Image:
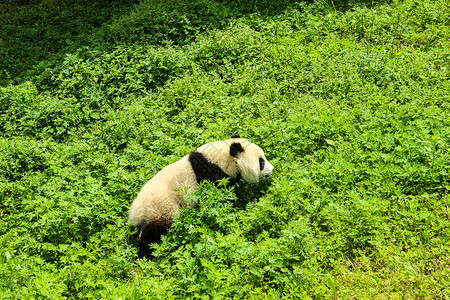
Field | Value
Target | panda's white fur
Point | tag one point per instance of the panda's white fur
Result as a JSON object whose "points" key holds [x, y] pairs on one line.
{"points": [[152, 210]]}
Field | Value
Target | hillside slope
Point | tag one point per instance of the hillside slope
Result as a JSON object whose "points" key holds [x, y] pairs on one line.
{"points": [[350, 104]]}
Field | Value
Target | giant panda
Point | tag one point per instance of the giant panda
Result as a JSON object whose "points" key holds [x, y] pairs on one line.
{"points": [[235, 158]]}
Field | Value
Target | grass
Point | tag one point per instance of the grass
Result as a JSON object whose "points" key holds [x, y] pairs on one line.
{"points": [[349, 101]]}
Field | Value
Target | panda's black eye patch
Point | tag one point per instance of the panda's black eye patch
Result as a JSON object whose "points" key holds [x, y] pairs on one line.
{"points": [[261, 163]]}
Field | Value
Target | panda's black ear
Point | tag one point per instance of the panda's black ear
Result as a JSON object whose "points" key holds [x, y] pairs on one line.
{"points": [[235, 149], [235, 136]]}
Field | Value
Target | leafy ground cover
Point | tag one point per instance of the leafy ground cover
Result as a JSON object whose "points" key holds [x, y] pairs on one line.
{"points": [[349, 100]]}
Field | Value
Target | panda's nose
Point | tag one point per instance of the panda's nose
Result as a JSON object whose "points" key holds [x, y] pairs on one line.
{"points": [[269, 169]]}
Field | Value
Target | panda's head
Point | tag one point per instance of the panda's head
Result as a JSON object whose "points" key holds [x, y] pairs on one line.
{"points": [[236, 157], [249, 160]]}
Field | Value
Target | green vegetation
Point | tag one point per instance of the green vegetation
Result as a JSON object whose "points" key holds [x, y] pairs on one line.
{"points": [[350, 101]]}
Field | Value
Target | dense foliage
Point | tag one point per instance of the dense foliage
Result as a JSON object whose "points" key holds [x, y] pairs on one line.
{"points": [[349, 100]]}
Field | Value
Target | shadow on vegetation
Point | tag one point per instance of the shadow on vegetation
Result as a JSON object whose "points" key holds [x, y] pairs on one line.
{"points": [[37, 34]]}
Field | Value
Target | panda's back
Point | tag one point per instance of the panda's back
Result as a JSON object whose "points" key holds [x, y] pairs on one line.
{"points": [[163, 194]]}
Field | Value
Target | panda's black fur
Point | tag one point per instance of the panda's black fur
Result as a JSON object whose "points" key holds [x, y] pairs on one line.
{"points": [[206, 170]]}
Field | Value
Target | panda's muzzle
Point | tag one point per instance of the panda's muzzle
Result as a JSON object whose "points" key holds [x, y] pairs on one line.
{"points": [[270, 169]]}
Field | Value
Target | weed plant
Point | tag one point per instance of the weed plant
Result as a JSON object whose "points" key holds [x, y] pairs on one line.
{"points": [[349, 100]]}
